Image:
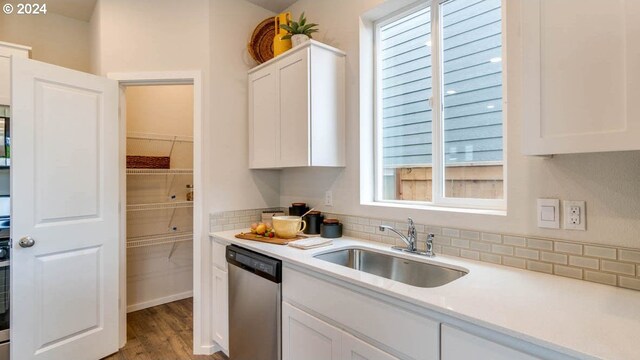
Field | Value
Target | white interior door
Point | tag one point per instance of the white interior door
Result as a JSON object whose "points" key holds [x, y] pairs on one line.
{"points": [[64, 187]]}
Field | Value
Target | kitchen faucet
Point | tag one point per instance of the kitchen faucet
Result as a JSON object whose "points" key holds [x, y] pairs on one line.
{"points": [[411, 239]]}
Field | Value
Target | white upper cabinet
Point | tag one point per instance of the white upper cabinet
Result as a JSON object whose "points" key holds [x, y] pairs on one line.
{"points": [[296, 109], [263, 107], [581, 76], [6, 51]]}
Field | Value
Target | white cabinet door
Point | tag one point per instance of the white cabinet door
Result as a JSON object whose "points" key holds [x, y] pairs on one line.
{"points": [[293, 79], [356, 349], [219, 255], [581, 76], [220, 321], [264, 122], [459, 345], [306, 337], [65, 191], [6, 51]]}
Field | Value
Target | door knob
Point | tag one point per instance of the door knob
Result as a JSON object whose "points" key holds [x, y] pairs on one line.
{"points": [[26, 242]]}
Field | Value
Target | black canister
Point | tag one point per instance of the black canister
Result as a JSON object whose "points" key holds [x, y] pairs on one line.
{"points": [[298, 209], [314, 220], [331, 229]]}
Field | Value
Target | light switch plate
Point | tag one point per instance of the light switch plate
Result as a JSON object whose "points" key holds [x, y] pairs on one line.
{"points": [[548, 212], [575, 215]]}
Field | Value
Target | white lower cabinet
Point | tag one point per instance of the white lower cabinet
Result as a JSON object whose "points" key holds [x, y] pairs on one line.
{"points": [[395, 330], [220, 312], [461, 345], [307, 337], [356, 349]]}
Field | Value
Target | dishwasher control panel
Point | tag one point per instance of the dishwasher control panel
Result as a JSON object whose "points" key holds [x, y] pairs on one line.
{"points": [[252, 261]]}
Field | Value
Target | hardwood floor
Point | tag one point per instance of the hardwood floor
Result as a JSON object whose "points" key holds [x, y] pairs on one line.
{"points": [[163, 332]]}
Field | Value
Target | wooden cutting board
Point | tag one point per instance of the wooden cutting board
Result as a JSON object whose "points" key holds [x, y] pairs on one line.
{"points": [[273, 240]]}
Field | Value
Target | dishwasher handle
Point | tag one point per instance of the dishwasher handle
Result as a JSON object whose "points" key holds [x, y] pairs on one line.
{"points": [[261, 265]]}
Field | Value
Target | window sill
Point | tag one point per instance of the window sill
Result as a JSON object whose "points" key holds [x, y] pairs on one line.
{"points": [[418, 206]]}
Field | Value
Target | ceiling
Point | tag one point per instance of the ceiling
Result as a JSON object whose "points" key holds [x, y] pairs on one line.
{"points": [[82, 9], [76, 9], [273, 5]]}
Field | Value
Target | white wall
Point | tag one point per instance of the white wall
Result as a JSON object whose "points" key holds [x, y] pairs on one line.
{"points": [[210, 36], [160, 109], [609, 182], [54, 38], [234, 186]]}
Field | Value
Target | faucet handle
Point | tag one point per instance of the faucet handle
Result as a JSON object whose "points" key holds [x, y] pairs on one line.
{"points": [[429, 243]]}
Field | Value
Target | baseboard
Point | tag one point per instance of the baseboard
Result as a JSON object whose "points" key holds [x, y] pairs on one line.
{"points": [[159, 301], [207, 349]]}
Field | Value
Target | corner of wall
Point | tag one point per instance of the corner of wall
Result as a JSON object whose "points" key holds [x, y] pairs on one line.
{"points": [[95, 39]]}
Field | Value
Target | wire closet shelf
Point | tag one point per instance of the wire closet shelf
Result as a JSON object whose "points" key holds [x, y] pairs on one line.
{"points": [[147, 144]]}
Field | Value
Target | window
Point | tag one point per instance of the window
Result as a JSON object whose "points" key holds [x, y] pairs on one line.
{"points": [[439, 120]]}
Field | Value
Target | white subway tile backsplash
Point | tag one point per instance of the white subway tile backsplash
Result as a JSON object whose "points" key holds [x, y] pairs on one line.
{"points": [[470, 254], [494, 238], [448, 250], [553, 257], [369, 229], [492, 258], [629, 283], [441, 240], [514, 262], [461, 243], [451, 232], [600, 252], [567, 271], [540, 244], [618, 267], [591, 262], [628, 255], [584, 262], [433, 230], [401, 226], [539, 266], [480, 246], [501, 249], [471, 235], [374, 222], [568, 248], [514, 240], [527, 253], [600, 277]]}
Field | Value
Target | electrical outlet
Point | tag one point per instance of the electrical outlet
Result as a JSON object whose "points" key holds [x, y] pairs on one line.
{"points": [[328, 198], [575, 216]]}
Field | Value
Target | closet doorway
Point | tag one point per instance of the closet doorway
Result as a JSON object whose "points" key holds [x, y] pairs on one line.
{"points": [[161, 201]]}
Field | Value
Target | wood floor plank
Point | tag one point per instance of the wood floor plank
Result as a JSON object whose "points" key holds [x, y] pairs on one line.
{"points": [[162, 332]]}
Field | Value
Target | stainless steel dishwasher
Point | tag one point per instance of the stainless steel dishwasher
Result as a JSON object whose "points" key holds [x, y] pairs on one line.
{"points": [[254, 305]]}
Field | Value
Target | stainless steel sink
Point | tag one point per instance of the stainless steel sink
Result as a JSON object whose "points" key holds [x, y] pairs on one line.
{"points": [[393, 267]]}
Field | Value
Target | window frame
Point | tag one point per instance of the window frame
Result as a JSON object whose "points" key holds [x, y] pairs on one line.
{"points": [[437, 106]]}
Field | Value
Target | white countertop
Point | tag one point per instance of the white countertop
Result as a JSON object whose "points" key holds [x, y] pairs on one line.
{"points": [[574, 317]]}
